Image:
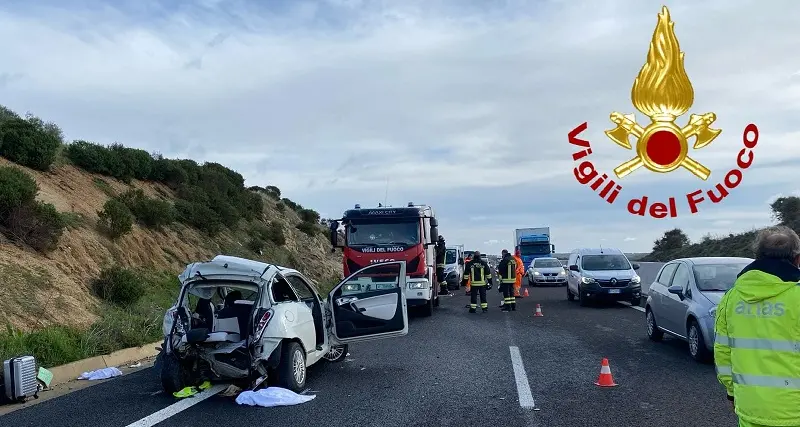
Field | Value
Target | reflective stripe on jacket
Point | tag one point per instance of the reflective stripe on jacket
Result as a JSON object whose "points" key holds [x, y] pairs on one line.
{"points": [[507, 270], [478, 272], [757, 343]]}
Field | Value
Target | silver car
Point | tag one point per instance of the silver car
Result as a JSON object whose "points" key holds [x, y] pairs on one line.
{"points": [[683, 300], [547, 271]]}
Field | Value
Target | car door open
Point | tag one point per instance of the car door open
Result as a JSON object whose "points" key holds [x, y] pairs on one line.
{"points": [[370, 304]]}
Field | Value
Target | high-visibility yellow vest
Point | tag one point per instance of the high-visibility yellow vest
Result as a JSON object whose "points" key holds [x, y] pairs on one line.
{"points": [[511, 272], [757, 348], [478, 275]]}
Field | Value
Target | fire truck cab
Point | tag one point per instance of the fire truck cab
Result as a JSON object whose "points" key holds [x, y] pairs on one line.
{"points": [[374, 235]]}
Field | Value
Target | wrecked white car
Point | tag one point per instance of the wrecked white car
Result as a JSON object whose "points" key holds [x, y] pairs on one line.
{"points": [[254, 323]]}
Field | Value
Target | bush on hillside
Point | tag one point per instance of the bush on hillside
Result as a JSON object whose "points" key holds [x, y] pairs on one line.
{"points": [[150, 211], [291, 205], [671, 240], [115, 220], [30, 142], [118, 286], [309, 215], [198, 216], [37, 224], [308, 228], [115, 160], [17, 188], [261, 235], [280, 207]]}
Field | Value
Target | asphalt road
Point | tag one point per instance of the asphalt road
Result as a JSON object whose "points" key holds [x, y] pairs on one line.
{"points": [[456, 368]]}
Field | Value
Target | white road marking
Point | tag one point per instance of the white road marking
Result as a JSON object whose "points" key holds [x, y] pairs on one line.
{"points": [[635, 307], [523, 388], [176, 408]]}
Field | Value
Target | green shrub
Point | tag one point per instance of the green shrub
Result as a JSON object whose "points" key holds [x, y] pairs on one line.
{"points": [[280, 207], [37, 224], [291, 205], [308, 228], [118, 286], [198, 216], [263, 234], [17, 188], [151, 212], [116, 160], [115, 219], [30, 142], [309, 215]]}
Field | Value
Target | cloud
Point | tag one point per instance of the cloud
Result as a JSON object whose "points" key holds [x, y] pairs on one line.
{"points": [[461, 105], [630, 239]]}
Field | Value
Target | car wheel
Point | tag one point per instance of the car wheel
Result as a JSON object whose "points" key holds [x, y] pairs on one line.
{"points": [[570, 297], [336, 353], [427, 309], [653, 332], [582, 300], [697, 345], [174, 377], [292, 368]]}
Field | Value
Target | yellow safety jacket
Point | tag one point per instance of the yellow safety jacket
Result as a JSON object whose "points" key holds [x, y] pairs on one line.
{"points": [[507, 270], [478, 274], [757, 343]]}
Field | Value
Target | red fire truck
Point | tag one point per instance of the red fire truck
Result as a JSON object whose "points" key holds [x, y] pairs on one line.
{"points": [[382, 234]]}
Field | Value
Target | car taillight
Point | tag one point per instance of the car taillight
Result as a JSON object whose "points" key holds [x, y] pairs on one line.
{"points": [[262, 324]]}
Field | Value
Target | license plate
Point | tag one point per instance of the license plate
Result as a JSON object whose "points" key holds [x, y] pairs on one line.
{"points": [[613, 291]]}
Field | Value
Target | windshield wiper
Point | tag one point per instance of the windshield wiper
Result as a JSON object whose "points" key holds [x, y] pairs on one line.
{"points": [[397, 243], [363, 244], [714, 290]]}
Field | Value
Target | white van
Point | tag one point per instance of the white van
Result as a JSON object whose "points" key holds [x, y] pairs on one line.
{"points": [[454, 266]]}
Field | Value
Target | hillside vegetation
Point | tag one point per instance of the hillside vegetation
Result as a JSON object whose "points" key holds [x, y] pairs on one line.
{"points": [[92, 238], [676, 244]]}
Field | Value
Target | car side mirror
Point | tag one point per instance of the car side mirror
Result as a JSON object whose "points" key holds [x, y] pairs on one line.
{"points": [[573, 268], [434, 233], [677, 290], [636, 266]]}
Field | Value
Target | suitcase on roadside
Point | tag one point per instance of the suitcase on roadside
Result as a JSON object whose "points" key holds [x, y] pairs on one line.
{"points": [[19, 376]]}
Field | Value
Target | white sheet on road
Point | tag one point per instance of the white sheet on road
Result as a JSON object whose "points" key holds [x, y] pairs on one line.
{"points": [[100, 374], [271, 397]]}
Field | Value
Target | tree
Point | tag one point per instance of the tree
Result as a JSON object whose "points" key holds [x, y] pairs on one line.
{"points": [[672, 239], [786, 210]]}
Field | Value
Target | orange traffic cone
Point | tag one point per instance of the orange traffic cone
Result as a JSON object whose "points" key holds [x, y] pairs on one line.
{"points": [[605, 379], [538, 311], [526, 293]]}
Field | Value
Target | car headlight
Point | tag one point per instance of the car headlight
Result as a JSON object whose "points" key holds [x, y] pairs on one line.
{"points": [[351, 288], [418, 285], [562, 273], [587, 280], [535, 273], [712, 311], [636, 279]]}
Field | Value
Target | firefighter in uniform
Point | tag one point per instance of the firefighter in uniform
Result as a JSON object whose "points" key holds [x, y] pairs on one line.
{"points": [[441, 251], [520, 272], [757, 331], [507, 272], [480, 276]]}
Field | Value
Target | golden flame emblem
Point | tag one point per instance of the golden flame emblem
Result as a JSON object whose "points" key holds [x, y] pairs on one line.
{"points": [[662, 91]]}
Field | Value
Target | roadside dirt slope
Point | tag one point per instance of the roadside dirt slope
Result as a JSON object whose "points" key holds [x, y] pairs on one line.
{"points": [[38, 290]]}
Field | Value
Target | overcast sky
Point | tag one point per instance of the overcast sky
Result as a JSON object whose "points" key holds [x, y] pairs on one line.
{"points": [[461, 104]]}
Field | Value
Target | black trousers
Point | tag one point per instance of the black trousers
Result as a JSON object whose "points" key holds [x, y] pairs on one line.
{"points": [[440, 275], [509, 301], [473, 296]]}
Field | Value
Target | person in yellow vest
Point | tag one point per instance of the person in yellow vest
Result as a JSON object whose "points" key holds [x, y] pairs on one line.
{"points": [[757, 331], [480, 276], [507, 271], [520, 272]]}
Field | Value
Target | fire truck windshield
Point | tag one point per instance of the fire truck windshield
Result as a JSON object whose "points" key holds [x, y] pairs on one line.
{"points": [[374, 233]]}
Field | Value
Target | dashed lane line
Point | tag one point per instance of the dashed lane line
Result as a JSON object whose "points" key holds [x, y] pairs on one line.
{"points": [[523, 388], [635, 307], [176, 408]]}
